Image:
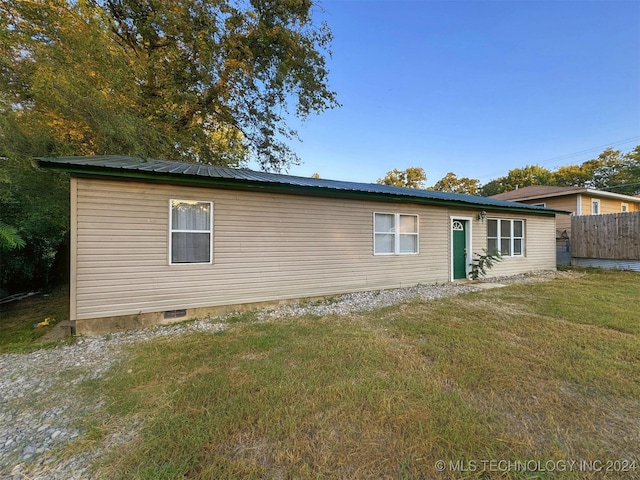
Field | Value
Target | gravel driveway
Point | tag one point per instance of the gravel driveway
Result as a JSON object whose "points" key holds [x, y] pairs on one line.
{"points": [[42, 407]]}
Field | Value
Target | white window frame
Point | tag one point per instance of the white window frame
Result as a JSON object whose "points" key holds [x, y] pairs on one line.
{"points": [[172, 231], [397, 234], [512, 237], [624, 207], [595, 206]]}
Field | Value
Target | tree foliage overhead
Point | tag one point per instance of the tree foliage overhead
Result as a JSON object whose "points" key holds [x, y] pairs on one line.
{"points": [[34, 216], [618, 172], [9, 237], [612, 171], [412, 177], [451, 183], [197, 80], [518, 178], [211, 81]]}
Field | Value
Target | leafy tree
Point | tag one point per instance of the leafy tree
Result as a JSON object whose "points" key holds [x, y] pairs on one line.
{"points": [[190, 80], [574, 175], [179, 79], [633, 171], [493, 187], [35, 204], [451, 183], [9, 237], [412, 177], [519, 177], [527, 176], [619, 173], [612, 170]]}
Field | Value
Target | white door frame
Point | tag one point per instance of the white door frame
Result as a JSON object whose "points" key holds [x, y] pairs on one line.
{"points": [[468, 235]]}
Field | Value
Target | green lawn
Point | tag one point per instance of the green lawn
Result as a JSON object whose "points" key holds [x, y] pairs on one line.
{"points": [[17, 320], [504, 383], [543, 372]]}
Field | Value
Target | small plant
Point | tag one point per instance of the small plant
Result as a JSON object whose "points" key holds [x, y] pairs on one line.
{"points": [[483, 262]]}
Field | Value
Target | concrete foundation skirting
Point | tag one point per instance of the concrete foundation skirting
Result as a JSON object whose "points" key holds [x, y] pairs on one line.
{"points": [[103, 325], [607, 263]]}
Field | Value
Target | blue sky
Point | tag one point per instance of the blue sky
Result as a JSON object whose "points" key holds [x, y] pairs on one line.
{"points": [[476, 88]]}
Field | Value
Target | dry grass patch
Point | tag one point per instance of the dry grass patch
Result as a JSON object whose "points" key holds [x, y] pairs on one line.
{"points": [[518, 373], [17, 319]]}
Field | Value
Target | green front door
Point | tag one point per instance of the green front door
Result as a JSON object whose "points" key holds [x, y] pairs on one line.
{"points": [[459, 249]]}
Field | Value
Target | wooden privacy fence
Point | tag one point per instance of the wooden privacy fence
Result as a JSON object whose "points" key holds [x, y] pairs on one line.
{"points": [[615, 236]]}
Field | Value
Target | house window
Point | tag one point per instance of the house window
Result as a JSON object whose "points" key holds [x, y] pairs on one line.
{"points": [[395, 234], [595, 207], [624, 207], [191, 232], [505, 236]]}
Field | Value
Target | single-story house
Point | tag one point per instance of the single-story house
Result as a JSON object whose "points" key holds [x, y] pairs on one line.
{"points": [[156, 241], [577, 200]]}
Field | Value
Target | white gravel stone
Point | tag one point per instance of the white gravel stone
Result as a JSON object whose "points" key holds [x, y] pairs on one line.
{"points": [[40, 412]]}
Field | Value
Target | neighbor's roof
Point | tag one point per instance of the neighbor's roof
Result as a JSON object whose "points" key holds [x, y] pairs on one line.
{"points": [[539, 192], [240, 178]]}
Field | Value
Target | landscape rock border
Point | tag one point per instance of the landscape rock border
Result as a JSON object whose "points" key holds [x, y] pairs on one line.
{"points": [[40, 411]]}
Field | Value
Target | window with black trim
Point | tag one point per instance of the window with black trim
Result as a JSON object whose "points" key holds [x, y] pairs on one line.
{"points": [[395, 234], [191, 232], [505, 236]]}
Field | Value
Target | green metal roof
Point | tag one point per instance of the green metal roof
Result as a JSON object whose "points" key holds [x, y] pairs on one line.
{"points": [[241, 178]]}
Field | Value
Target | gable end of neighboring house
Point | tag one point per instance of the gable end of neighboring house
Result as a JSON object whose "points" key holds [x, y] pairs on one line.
{"points": [[577, 200], [157, 242]]}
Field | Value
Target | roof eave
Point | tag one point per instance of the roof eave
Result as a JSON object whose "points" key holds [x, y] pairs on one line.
{"points": [[618, 196], [596, 193], [275, 187]]}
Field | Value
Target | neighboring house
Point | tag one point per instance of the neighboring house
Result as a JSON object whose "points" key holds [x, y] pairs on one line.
{"points": [[155, 241], [577, 200]]}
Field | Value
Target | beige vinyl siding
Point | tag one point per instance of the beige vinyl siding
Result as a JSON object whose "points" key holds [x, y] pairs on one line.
{"points": [[266, 247], [612, 205], [607, 205], [539, 244], [567, 203], [585, 204]]}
